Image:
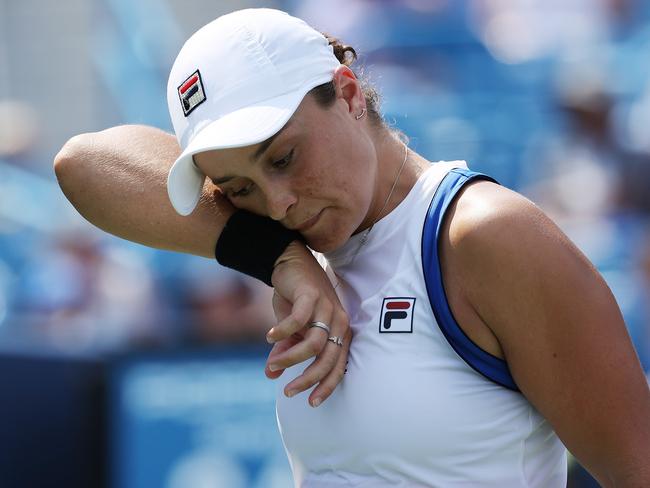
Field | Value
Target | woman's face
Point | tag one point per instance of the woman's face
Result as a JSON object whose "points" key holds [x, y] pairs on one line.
{"points": [[316, 175]]}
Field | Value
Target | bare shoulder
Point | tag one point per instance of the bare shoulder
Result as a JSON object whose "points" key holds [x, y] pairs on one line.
{"points": [[486, 212], [557, 323], [502, 242], [514, 260]]}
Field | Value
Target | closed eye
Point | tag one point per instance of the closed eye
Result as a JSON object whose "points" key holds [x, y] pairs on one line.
{"points": [[284, 162], [241, 192]]}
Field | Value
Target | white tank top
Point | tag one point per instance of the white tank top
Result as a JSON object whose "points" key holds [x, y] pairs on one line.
{"points": [[410, 412]]}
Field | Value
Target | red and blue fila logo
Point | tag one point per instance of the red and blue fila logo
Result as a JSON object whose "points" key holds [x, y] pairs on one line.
{"points": [[191, 92], [397, 314]]}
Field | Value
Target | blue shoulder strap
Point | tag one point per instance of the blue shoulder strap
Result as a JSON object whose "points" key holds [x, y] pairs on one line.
{"points": [[492, 367]]}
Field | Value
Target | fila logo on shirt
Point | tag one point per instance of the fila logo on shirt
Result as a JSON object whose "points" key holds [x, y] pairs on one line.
{"points": [[191, 92], [397, 314]]}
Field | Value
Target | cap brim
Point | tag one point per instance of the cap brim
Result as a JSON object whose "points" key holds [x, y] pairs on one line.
{"points": [[244, 127]]}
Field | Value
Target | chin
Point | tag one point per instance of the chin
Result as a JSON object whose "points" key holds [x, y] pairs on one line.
{"points": [[325, 244], [321, 248], [329, 234]]}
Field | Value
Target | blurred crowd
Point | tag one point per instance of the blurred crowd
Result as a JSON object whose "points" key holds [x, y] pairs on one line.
{"points": [[552, 97]]}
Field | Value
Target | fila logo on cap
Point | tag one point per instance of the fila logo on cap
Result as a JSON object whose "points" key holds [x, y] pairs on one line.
{"points": [[397, 314], [191, 92]]}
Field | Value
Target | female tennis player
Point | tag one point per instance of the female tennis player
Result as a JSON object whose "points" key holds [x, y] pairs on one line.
{"points": [[484, 341]]}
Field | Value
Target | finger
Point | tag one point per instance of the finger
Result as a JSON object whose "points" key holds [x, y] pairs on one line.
{"points": [[312, 344], [335, 376], [316, 371], [326, 360], [281, 306], [302, 310], [279, 348]]}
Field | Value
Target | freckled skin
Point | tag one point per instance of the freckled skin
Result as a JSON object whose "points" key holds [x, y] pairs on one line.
{"points": [[517, 286], [334, 169]]}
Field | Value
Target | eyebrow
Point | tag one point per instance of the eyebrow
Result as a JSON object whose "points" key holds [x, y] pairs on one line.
{"points": [[264, 145]]}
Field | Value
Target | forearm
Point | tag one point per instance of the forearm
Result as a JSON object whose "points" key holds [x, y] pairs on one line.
{"points": [[117, 180]]}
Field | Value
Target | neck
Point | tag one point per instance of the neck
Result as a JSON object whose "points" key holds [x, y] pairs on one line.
{"points": [[390, 152]]}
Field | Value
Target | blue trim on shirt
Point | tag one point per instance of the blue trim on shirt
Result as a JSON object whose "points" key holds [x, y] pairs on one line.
{"points": [[492, 367]]}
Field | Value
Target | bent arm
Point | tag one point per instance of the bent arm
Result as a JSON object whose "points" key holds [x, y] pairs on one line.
{"points": [[117, 180], [560, 329]]}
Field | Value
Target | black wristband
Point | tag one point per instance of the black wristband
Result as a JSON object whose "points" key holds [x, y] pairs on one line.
{"points": [[252, 244]]}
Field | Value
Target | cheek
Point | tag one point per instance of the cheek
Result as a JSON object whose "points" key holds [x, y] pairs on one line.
{"points": [[343, 182], [332, 186], [333, 172]]}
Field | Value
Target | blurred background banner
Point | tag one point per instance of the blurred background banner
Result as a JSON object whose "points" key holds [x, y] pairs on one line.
{"points": [[209, 417], [551, 97]]}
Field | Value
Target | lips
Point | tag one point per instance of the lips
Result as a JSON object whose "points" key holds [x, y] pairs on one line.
{"points": [[309, 222]]}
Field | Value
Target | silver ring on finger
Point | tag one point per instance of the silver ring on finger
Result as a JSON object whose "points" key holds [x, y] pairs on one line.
{"points": [[336, 340], [320, 325]]}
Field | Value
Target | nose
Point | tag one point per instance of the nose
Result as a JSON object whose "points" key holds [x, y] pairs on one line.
{"points": [[278, 201]]}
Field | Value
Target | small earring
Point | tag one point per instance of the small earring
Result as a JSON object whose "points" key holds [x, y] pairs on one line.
{"points": [[360, 116]]}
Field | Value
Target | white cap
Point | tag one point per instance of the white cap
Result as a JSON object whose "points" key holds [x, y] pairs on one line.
{"points": [[235, 83]]}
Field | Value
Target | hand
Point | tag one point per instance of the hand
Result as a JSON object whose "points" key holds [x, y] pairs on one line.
{"points": [[303, 294]]}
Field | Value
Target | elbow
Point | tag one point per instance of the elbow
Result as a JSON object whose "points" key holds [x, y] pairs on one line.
{"points": [[69, 158], [70, 164]]}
